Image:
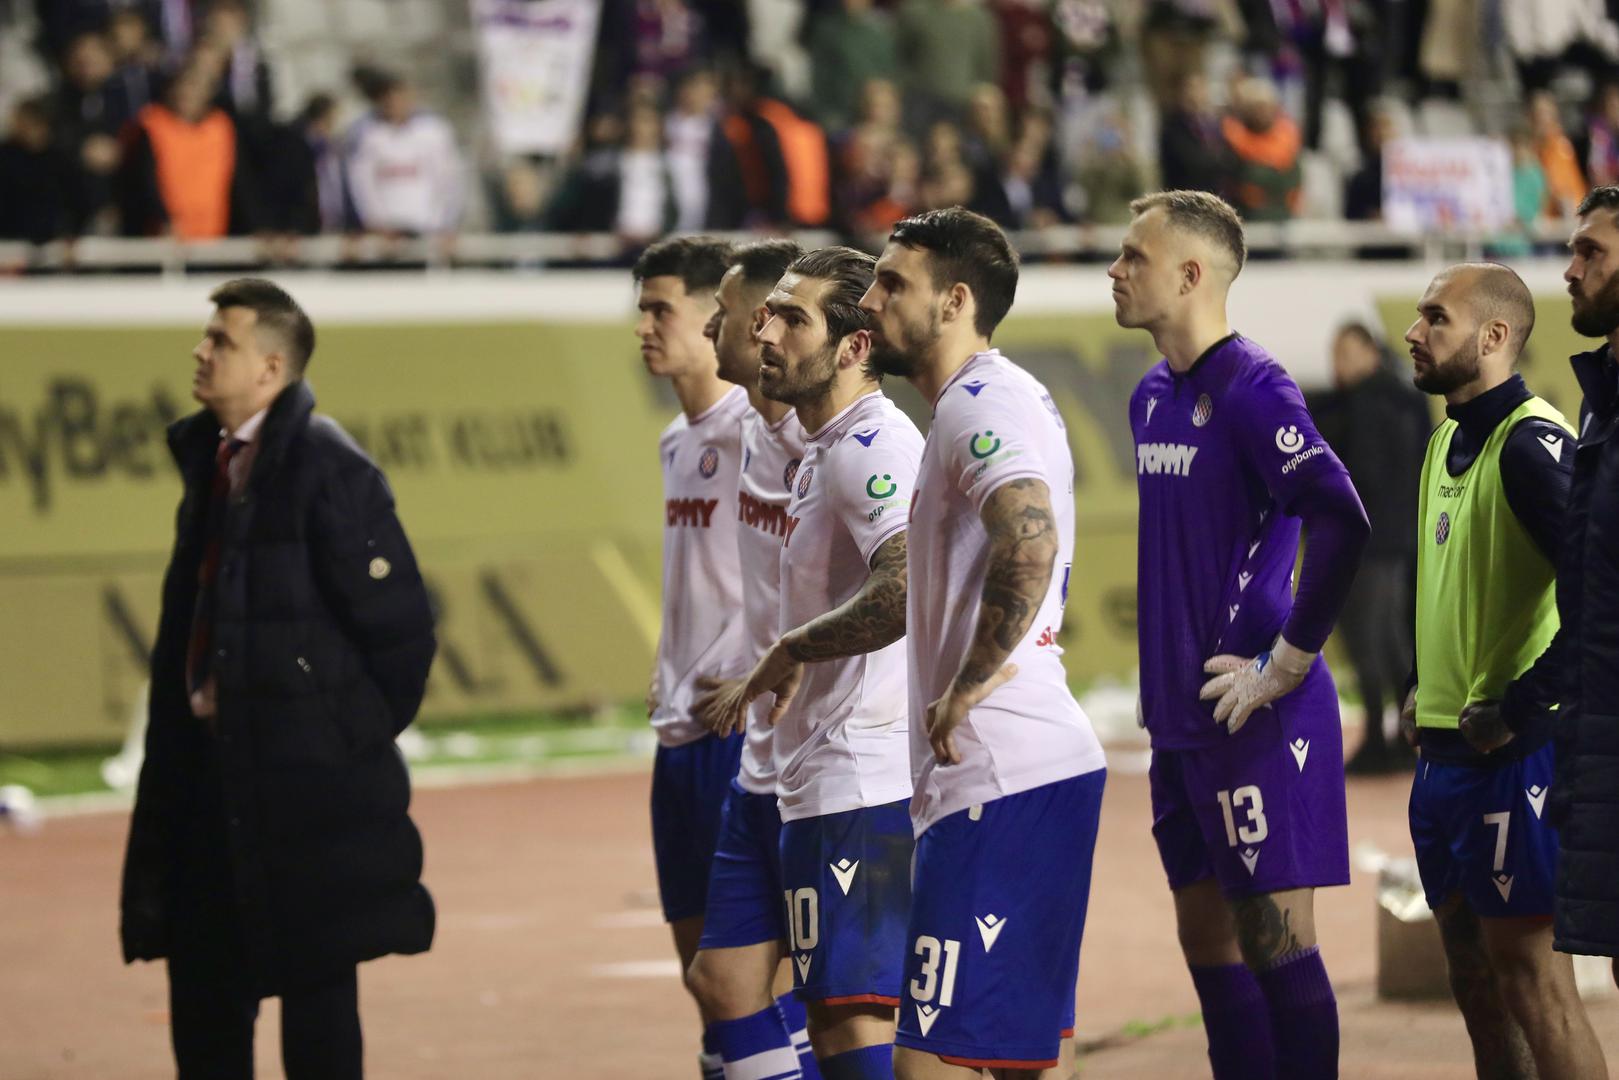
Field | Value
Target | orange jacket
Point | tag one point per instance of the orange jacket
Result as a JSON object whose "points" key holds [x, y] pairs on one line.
{"points": [[195, 165]]}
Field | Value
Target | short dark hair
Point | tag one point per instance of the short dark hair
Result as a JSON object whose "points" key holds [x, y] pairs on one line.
{"points": [[1205, 214], [698, 261], [764, 261], [1600, 198], [969, 248], [277, 312], [848, 273]]}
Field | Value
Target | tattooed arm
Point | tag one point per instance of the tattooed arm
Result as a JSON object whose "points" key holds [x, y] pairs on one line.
{"points": [[1022, 552], [867, 621]]}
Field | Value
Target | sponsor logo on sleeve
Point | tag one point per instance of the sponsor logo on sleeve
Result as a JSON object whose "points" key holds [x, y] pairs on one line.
{"points": [[1289, 440], [984, 443], [881, 487]]}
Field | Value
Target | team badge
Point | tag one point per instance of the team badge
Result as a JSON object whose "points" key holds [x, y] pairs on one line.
{"points": [[1442, 533], [790, 473], [804, 481], [1202, 411], [709, 463]]}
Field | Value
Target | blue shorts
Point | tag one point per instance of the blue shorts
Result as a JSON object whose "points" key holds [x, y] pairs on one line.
{"points": [[688, 789], [993, 954], [846, 880], [1478, 831], [744, 887]]}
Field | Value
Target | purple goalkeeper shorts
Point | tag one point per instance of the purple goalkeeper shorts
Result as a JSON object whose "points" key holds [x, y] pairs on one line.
{"points": [[1262, 811]]}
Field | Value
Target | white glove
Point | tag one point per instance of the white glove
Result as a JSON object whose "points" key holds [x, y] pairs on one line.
{"points": [[1243, 685]]}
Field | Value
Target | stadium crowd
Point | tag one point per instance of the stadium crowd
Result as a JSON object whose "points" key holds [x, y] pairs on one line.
{"points": [[164, 117]]}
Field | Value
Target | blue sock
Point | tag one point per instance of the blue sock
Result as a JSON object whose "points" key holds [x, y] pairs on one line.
{"points": [[1303, 1017], [1236, 1021], [797, 1021], [756, 1047], [709, 1062], [867, 1063]]}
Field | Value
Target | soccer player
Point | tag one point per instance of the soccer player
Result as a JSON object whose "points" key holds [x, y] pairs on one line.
{"points": [[744, 935], [1008, 773], [835, 678], [701, 636], [1248, 799], [1494, 487]]}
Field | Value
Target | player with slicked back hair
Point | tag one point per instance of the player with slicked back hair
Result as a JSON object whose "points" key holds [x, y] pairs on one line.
{"points": [[1247, 794], [740, 959], [1008, 772], [701, 635], [1494, 491], [834, 680]]}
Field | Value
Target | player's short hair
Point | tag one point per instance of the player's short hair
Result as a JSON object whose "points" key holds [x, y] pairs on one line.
{"points": [[764, 261], [969, 248], [1497, 292], [1600, 198], [277, 312], [1205, 214], [849, 274], [698, 261]]}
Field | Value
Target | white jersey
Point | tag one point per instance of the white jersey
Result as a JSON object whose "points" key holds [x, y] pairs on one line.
{"points": [[992, 423], [702, 586], [771, 454], [841, 744]]}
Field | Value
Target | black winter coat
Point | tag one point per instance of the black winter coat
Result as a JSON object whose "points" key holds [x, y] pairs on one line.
{"points": [[1584, 799], [323, 639]]}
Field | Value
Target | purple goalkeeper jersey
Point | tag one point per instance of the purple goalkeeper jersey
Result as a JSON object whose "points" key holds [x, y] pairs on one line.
{"points": [[1225, 456]]}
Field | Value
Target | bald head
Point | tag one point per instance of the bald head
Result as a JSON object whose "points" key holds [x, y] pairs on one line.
{"points": [[1494, 292]]}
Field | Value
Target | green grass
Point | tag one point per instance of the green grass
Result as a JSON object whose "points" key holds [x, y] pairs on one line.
{"points": [[55, 772]]}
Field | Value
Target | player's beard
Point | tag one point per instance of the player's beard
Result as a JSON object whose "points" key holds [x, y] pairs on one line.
{"points": [[1597, 316], [900, 358], [1452, 375], [811, 381]]}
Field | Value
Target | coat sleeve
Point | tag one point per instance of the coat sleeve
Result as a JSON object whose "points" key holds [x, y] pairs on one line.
{"points": [[367, 574]]}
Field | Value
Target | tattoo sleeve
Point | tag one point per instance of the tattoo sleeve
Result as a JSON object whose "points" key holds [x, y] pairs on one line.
{"points": [[867, 621], [1022, 552]]}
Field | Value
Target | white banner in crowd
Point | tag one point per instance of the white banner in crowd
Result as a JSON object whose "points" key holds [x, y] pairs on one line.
{"points": [[1459, 183], [536, 58]]}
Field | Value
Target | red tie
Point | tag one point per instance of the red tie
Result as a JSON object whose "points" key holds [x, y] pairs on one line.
{"points": [[202, 619]]}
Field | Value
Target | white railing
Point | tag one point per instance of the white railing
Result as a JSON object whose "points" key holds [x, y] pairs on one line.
{"points": [[1304, 238]]}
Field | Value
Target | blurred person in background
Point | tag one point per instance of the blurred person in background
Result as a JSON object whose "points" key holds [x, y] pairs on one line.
{"points": [[1378, 425], [518, 198], [986, 136], [1174, 38], [668, 37], [848, 45], [1565, 183], [947, 179], [1192, 151], [318, 122], [40, 185], [1602, 138], [181, 174], [946, 48], [139, 58], [1265, 145], [703, 169], [1363, 191], [1028, 38], [244, 76], [92, 109], [1529, 196], [1027, 191], [404, 170], [784, 157], [1111, 174], [586, 198], [646, 195]]}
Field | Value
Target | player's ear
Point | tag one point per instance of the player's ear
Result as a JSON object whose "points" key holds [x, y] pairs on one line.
{"points": [[276, 369], [1191, 274], [856, 349], [955, 301]]}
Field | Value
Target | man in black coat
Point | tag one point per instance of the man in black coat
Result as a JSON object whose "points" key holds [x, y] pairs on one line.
{"points": [[1584, 657], [270, 850]]}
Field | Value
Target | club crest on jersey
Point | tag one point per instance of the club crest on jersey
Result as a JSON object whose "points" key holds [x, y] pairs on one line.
{"points": [[881, 487], [984, 444], [1442, 532], [1203, 411], [709, 463], [804, 481], [790, 473]]}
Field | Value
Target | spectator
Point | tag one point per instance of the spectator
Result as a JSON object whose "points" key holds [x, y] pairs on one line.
{"points": [[586, 199], [1174, 36], [1363, 191], [880, 108], [785, 162], [1378, 425], [646, 198], [848, 46], [1192, 151], [138, 58], [519, 198], [404, 171], [244, 77], [879, 182], [987, 137], [947, 179], [668, 38], [702, 165], [180, 174], [1111, 175], [1028, 45], [1602, 154], [39, 183], [1027, 190], [1565, 183], [1528, 197], [1265, 145], [318, 123], [946, 48]]}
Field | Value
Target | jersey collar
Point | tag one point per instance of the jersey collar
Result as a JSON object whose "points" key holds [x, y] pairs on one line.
{"points": [[973, 361]]}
